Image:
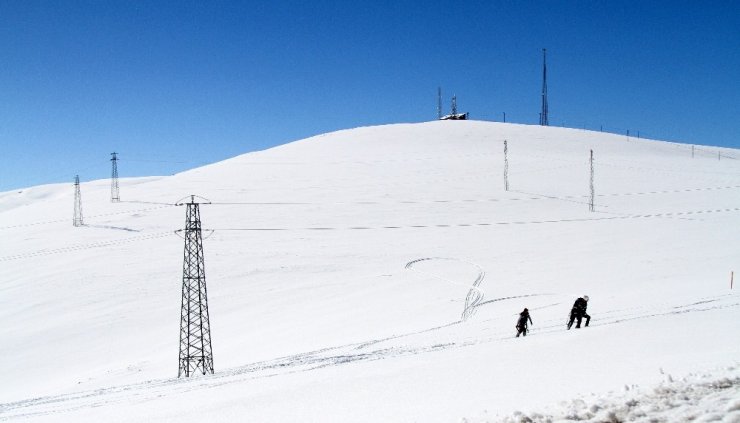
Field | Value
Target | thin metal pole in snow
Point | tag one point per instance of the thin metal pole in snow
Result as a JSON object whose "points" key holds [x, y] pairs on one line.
{"points": [[506, 166], [591, 201]]}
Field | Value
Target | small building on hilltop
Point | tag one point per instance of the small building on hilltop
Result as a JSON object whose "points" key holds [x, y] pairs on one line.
{"points": [[454, 115]]}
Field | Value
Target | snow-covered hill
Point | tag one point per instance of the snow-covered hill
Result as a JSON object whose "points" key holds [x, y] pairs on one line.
{"points": [[338, 271]]}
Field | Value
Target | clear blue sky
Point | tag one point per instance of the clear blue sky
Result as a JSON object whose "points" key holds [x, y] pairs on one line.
{"points": [[172, 85]]}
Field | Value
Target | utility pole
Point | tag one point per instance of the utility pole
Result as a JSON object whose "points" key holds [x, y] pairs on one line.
{"points": [[195, 329], [77, 220], [544, 119], [506, 166], [114, 197], [591, 201]]}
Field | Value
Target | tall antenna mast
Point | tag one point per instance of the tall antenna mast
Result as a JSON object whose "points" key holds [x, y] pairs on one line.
{"points": [[454, 104], [195, 328], [544, 120], [77, 220], [114, 197], [439, 103]]}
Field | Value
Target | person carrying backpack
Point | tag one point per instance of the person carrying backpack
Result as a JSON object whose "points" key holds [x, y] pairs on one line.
{"points": [[521, 324], [578, 312]]}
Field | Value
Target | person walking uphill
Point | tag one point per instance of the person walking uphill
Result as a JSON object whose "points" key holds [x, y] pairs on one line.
{"points": [[578, 312], [521, 324]]}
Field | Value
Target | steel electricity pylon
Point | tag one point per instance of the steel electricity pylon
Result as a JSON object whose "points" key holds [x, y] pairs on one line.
{"points": [[196, 355], [77, 220], [114, 197]]}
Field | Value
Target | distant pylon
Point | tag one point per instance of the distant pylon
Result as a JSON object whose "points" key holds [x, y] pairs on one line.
{"points": [[454, 104], [77, 221], [195, 329], [544, 120], [114, 197], [439, 102]]}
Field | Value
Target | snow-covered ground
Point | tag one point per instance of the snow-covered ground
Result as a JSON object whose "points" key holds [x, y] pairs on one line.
{"points": [[340, 267]]}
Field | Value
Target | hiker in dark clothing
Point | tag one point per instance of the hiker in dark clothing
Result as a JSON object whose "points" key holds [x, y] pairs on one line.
{"points": [[521, 324], [579, 312]]}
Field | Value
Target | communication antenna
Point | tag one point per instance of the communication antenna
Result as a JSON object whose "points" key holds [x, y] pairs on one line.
{"points": [[591, 201], [195, 329], [454, 104], [114, 197], [77, 220], [544, 120], [439, 102], [506, 166]]}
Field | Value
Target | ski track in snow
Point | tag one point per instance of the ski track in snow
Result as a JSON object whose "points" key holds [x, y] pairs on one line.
{"points": [[475, 294], [328, 357]]}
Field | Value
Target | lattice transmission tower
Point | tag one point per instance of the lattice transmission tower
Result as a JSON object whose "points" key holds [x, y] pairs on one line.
{"points": [[544, 119], [114, 197], [77, 220], [196, 355]]}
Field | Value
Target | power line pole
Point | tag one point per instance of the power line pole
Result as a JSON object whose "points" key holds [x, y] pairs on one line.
{"points": [[195, 328], [77, 220], [544, 120], [591, 201], [506, 166], [114, 197]]}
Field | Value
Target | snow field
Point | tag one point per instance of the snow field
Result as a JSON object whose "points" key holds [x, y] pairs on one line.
{"points": [[338, 273]]}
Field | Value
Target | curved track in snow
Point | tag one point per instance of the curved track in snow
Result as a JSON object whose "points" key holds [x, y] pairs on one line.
{"points": [[57, 406], [475, 294]]}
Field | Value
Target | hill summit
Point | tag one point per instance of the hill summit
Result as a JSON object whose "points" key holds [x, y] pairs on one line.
{"points": [[376, 274]]}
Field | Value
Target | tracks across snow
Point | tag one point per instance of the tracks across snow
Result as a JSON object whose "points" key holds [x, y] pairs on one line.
{"points": [[475, 294], [426, 341]]}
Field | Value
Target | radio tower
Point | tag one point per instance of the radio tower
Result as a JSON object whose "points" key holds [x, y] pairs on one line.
{"points": [[195, 329], [114, 197], [544, 121], [454, 104], [77, 221], [439, 103]]}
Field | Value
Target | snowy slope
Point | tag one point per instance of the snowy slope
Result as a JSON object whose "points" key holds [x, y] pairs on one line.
{"points": [[338, 271]]}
